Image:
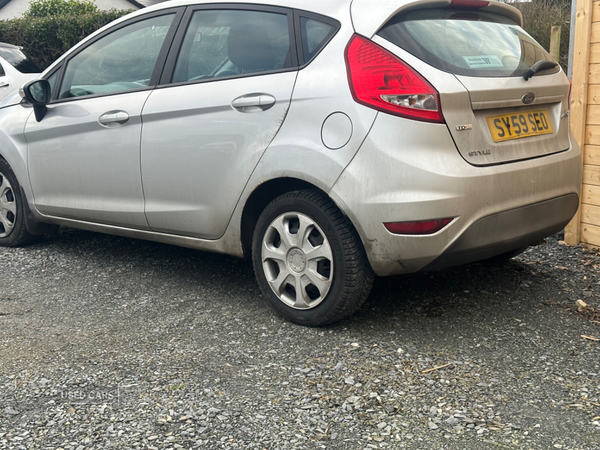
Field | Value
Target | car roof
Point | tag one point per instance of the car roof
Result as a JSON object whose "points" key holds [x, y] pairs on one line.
{"points": [[5, 45], [338, 9], [367, 16], [327, 7]]}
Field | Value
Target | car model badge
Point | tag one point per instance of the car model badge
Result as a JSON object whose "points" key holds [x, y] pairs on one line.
{"points": [[528, 98]]}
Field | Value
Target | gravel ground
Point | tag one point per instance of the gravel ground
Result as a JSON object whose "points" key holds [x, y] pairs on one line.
{"points": [[107, 342]]}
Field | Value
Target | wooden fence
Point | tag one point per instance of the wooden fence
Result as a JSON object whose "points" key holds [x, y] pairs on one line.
{"points": [[585, 121]]}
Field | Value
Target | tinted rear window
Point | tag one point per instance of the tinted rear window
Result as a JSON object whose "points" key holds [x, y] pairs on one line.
{"points": [[315, 34], [18, 60], [472, 43]]}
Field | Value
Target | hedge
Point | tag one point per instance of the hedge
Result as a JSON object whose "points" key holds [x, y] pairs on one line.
{"points": [[44, 39], [538, 18], [46, 8]]}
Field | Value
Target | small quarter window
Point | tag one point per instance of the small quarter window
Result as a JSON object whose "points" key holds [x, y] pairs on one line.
{"points": [[315, 35]]}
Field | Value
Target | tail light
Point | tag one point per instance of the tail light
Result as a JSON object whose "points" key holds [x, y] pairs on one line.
{"points": [[421, 227], [382, 81]]}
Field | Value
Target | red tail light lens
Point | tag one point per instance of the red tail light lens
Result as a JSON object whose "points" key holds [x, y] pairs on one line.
{"points": [[382, 81], [423, 227]]}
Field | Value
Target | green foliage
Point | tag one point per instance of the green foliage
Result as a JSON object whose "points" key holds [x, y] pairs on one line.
{"points": [[44, 39], [47, 8]]}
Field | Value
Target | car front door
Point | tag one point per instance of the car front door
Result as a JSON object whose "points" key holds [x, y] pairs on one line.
{"points": [[222, 99], [84, 155]]}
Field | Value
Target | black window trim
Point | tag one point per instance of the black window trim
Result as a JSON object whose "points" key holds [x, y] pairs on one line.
{"points": [[158, 67], [169, 67], [298, 14], [56, 70]]}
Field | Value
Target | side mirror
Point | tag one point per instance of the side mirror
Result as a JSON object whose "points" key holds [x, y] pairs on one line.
{"points": [[37, 93]]}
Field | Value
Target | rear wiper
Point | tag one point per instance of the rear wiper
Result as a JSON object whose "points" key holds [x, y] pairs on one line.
{"points": [[544, 64]]}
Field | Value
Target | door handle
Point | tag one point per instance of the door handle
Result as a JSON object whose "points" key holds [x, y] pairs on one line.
{"points": [[3, 84], [113, 118], [253, 102]]}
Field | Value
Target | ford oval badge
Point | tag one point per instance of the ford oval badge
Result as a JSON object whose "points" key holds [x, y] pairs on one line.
{"points": [[528, 98]]}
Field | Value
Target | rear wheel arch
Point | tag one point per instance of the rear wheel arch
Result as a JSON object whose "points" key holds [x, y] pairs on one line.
{"points": [[260, 198]]}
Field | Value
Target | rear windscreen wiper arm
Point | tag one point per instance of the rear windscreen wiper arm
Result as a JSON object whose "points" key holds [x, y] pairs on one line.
{"points": [[544, 64]]}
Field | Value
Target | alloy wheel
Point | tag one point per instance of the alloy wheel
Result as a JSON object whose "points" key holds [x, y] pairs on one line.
{"points": [[297, 259]]}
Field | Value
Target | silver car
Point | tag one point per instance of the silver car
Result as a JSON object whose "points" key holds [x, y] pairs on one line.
{"points": [[330, 141]]}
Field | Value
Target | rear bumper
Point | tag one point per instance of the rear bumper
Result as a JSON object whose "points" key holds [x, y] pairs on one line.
{"points": [[497, 234], [400, 176]]}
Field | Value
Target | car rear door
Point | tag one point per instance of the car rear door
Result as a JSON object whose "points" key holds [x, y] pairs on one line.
{"points": [[222, 99]]}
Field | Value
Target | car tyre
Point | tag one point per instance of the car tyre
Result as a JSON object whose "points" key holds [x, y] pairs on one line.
{"points": [[309, 260], [13, 229]]}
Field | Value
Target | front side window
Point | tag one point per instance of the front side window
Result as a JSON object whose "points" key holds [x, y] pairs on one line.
{"points": [[225, 43], [472, 43], [120, 61]]}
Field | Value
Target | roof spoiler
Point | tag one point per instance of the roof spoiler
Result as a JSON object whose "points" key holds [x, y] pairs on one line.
{"points": [[369, 16]]}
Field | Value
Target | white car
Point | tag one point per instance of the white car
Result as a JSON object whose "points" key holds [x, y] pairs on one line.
{"points": [[330, 141], [15, 69]]}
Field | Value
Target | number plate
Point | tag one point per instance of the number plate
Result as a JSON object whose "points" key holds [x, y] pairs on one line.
{"points": [[514, 126]]}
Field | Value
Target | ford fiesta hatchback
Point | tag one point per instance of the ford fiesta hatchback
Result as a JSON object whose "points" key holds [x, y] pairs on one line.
{"points": [[329, 141]]}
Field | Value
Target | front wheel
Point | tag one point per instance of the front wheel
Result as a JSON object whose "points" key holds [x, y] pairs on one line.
{"points": [[13, 230], [309, 260]]}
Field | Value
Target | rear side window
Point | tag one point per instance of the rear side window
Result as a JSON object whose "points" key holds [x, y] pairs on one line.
{"points": [[315, 34], [472, 43], [227, 43]]}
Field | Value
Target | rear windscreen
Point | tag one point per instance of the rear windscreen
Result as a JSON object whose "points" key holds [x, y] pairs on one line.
{"points": [[18, 60], [472, 43]]}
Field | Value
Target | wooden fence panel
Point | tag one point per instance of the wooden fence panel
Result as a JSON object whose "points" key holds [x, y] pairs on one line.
{"points": [[590, 214], [590, 233], [587, 31], [594, 94], [590, 195], [591, 155]]}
